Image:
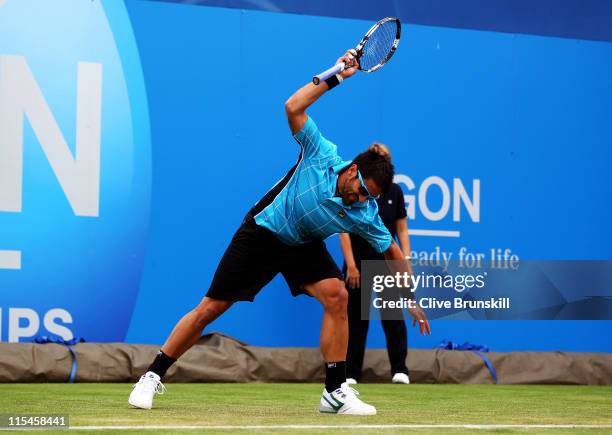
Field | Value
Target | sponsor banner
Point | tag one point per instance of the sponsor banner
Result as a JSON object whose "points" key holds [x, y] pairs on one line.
{"points": [[75, 175]]}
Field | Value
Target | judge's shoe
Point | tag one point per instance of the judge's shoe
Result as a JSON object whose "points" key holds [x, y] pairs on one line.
{"points": [[400, 378]]}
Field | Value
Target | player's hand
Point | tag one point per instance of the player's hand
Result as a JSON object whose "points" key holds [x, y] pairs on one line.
{"points": [[351, 63], [353, 277], [418, 315]]}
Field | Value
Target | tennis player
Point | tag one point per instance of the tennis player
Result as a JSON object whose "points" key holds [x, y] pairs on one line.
{"points": [[283, 233]]}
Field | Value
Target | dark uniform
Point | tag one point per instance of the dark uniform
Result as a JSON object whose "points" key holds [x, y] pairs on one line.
{"points": [[391, 207]]}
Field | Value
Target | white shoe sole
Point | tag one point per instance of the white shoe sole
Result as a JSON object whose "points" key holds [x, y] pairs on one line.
{"points": [[360, 412], [139, 405], [326, 409]]}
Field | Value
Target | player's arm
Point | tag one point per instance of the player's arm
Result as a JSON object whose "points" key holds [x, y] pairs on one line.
{"points": [[375, 232], [352, 272], [395, 254], [395, 258], [296, 105]]}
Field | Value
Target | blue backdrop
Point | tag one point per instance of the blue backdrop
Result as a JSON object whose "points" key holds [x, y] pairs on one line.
{"points": [[193, 132]]}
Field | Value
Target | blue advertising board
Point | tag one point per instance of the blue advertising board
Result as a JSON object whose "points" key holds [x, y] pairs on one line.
{"points": [[135, 136]]}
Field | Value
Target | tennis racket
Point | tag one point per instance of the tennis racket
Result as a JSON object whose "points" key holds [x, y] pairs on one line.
{"points": [[374, 50]]}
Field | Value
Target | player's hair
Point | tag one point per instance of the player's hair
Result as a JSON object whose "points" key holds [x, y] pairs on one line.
{"points": [[381, 149], [375, 163]]}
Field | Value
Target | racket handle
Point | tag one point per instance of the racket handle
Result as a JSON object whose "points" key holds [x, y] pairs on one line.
{"points": [[328, 73]]}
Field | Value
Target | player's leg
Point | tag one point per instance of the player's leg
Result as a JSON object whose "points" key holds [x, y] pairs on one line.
{"points": [[184, 335], [189, 329], [337, 396], [334, 330], [244, 269], [310, 269]]}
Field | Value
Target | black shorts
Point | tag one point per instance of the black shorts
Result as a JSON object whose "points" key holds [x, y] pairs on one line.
{"points": [[255, 256]]}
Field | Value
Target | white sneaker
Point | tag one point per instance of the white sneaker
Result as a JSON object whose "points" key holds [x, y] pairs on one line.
{"points": [[147, 387], [400, 378], [344, 400], [351, 381]]}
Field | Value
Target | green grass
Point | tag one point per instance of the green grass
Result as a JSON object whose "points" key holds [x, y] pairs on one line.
{"points": [[275, 404]]}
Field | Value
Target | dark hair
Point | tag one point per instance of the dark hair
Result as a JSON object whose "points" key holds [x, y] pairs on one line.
{"points": [[377, 166]]}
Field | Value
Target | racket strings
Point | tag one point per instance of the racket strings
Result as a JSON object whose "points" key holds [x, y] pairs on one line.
{"points": [[377, 48]]}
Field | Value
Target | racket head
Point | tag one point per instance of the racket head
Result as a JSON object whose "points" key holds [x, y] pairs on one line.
{"points": [[379, 44]]}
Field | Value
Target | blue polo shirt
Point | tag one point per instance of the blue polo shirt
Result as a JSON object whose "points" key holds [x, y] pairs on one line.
{"points": [[306, 208]]}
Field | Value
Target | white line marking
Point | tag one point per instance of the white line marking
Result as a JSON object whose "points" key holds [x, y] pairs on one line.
{"points": [[10, 259], [351, 426], [434, 233]]}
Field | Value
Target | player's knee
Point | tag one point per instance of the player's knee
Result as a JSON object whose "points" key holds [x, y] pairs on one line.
{"points": [[208, 311], [336, 297]]}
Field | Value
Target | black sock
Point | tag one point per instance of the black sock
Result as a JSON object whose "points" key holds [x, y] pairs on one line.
{"points": [[161, 364], [335, 375]]}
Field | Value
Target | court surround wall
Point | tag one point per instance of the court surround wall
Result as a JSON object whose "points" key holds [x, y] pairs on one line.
{"points": [[218, 358]]}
